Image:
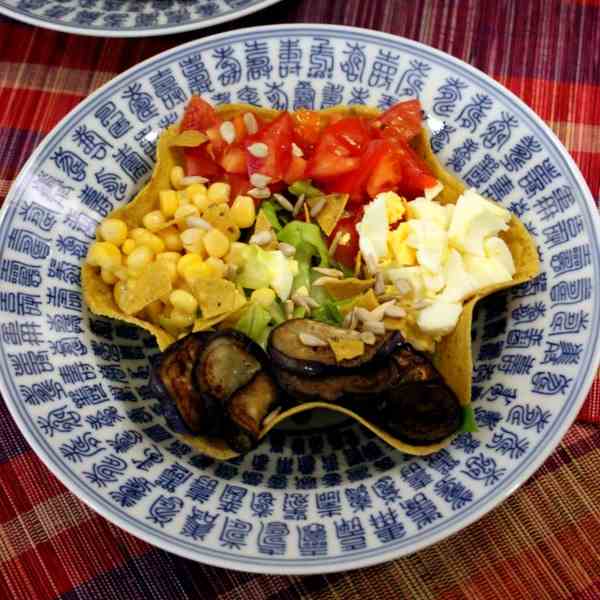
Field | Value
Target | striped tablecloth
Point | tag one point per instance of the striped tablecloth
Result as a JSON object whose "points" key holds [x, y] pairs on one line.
{"points": [[544, 542]]}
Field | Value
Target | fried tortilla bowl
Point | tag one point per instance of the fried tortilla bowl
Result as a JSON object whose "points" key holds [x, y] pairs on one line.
{"points": [[452, 357]]}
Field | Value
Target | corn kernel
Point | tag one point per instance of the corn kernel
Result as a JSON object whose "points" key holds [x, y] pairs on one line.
{"points": [[181, 320], [201, 202], [192, 240], [141, 257], [128, 246], [114, 231], [153, 220], [105, 255], [216, 243], [189, 261], [171, 239], [243, 212], [185, 211], [108, 276], [184, 302], [183, 198], [219, 192], [154, 310], [172, 257], [143, 237], [263, 296], [217, 267], [196, 189], [177, 175], [169, 202]]}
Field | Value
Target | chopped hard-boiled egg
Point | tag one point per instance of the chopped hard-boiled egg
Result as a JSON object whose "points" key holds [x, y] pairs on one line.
{"points": [[439, 318], [427, 210], [399, 250], [473, 220], [460, 284], [432, 192], [430, 240], [395, 205], [373, 229], [496, 248]]}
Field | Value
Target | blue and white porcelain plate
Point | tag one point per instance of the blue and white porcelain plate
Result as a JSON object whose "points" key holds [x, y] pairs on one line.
{"points": [[129, 18], [325, 496]]}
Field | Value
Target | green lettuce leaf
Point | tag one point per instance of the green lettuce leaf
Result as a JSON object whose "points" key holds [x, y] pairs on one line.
{"points": [[254, 322]]}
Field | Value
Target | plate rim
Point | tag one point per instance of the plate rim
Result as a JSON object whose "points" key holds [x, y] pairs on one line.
{"points": [[139, 32], [111, 513]]}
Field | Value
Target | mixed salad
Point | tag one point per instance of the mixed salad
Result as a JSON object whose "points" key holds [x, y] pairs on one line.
{"points": [[323, 237]]}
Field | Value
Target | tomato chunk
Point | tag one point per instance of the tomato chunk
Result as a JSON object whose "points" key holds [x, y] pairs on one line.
{"points": [[346, 253], [196, 162], [199, 115], [401, 122], [278, 137]]}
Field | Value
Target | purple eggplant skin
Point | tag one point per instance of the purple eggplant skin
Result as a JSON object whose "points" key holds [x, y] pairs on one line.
{"points": [[247, 409], [287, 352], [186, 410], [228, 362], [419, 413]]}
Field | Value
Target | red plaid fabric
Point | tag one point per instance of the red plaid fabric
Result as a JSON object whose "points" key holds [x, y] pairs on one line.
{"points": [[541, 543]]}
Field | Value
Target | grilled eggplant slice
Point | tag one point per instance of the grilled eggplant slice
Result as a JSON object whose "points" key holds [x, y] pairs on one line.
{"points": [[289, 353], [185, 408], [229, 361], [419, 413], [334, 388], [247, 409]]}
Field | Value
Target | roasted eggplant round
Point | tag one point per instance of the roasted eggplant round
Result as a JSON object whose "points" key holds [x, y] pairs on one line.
{"points": [[288, 352], [419, 413], [185, 408]]}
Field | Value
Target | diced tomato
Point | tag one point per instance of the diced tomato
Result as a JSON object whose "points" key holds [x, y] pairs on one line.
{"points": [[355, 183], [401, 122], [278, 137], [307, 128], [196, 162], [296, 170], [329, 165], [240, 128], [239, 185], [234, 160], [346, 253], [416, 176], [199, 115], [386, 176], [352, 133]]}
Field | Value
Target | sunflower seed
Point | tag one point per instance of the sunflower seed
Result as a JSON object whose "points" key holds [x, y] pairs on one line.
{"points": [[311, 340], [296, 150], [227, 131], [262, 238], [379, 286], [312, 303], [324, 280], [198, 222], [300, 301], [258, 149], [299, 204], [368, 337], [263, 192], [419, 304], [329, 272], [192, 180], [362, 314], [378, 313], [250, 123], [318, 207], [377, 327], [287, 249], [259, 180], [395, 312], [284, 202]]}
